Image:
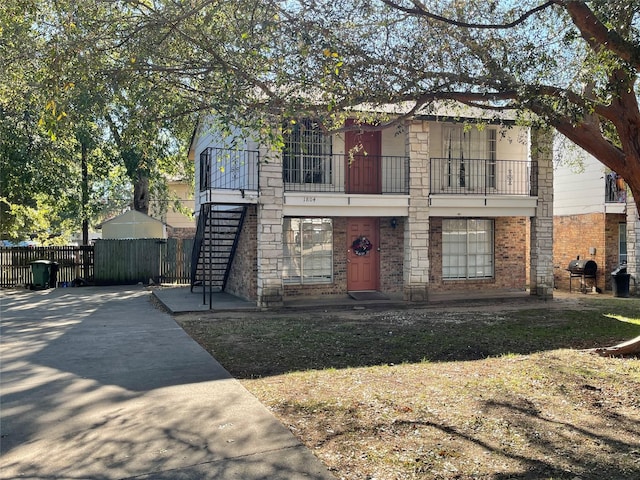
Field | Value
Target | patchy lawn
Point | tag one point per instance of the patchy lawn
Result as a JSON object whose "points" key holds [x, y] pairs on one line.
{"points": [[478, 392]]}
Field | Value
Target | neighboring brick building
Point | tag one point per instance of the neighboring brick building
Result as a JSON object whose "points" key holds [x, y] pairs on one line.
{"points": [[436, 205], [590, 217]]}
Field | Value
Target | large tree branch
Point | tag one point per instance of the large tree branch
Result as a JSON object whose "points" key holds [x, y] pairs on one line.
{"points": [[597, 34], [585, 134], [420, 9]]}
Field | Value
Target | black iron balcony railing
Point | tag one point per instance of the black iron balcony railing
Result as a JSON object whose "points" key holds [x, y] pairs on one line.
{"points": [[615, 190], [226, 169], [339, 173], [462, 176]]}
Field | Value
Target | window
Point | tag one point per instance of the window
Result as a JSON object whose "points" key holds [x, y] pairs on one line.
{"points": [[307, 154], [622, 243], [205, 169], [467, 248], [471, 157], [308, 250]]}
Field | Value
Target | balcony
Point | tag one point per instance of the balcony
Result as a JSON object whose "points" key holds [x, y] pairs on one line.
{"points": [[225, 169], [615, 190], [339, 173], [366, 185], [458, 176]]}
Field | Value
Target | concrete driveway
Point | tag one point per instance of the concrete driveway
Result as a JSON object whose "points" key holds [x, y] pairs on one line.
{"points": [[98, 384]]}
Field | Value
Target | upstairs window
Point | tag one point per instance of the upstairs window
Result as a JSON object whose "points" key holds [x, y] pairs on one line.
{"points": [[471, 157], [307, 154]]}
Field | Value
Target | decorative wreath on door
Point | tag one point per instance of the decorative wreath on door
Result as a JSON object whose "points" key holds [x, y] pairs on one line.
{"points": [[361, 245]]}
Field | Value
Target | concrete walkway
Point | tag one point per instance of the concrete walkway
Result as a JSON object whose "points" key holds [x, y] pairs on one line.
{"points": [[180, 299], [98, 384]]}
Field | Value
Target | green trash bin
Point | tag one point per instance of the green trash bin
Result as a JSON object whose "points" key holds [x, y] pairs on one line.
{"points": [[41, 270]]}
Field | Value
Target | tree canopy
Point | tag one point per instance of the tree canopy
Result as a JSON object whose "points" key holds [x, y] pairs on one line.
{"points": [[570, 64], [79, 134], [137, 70]]}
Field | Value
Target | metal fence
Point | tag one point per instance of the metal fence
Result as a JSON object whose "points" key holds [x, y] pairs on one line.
{"points": [[469, 176], [227, 169], [340, 173]]}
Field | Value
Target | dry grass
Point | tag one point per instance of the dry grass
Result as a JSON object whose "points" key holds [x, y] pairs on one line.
{"points": [[479, 392]]}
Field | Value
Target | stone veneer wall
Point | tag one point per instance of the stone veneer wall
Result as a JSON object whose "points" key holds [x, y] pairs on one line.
{"points": [[242, 280], [269, 232], [416, 231], [510, 257], [541, 243]]}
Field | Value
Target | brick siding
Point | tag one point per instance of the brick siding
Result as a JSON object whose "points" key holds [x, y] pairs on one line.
{"points": [[242, 280], [181, 232], [575, 235], [391, 255]]}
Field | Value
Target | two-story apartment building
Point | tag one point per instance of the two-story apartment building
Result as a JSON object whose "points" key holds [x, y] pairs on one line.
{"points": [[595, 219], [434, 205]]}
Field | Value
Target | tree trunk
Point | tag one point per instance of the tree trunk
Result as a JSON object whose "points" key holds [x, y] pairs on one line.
{"points": [[141, 193], [85, 193]]}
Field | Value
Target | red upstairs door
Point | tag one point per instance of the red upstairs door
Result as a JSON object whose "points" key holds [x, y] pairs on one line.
{"points": [[363, 269], [362, 161]]}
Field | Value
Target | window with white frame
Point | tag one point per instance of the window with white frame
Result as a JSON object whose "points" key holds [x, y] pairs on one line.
{"points": [[308, 250], [467, 248], [622, 243], [306, 154], [471, 156]]}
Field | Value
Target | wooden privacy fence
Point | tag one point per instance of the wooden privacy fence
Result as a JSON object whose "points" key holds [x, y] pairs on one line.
{"points": [[73, 262], [119, 262], [177, 261], [109, 262]]}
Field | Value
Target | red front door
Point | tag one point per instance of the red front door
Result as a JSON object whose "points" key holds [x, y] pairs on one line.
{"points": [[363, 269], [363, 161]]}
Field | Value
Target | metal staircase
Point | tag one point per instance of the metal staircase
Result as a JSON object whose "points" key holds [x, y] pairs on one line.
{"points": [[218, 230]]}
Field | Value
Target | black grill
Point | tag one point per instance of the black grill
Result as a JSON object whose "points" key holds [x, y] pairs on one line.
{"points": [[582, 269]]}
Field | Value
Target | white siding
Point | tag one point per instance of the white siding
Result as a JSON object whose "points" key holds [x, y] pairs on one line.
{"points": [[393, 143], [209, 136], [579, 181]]}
